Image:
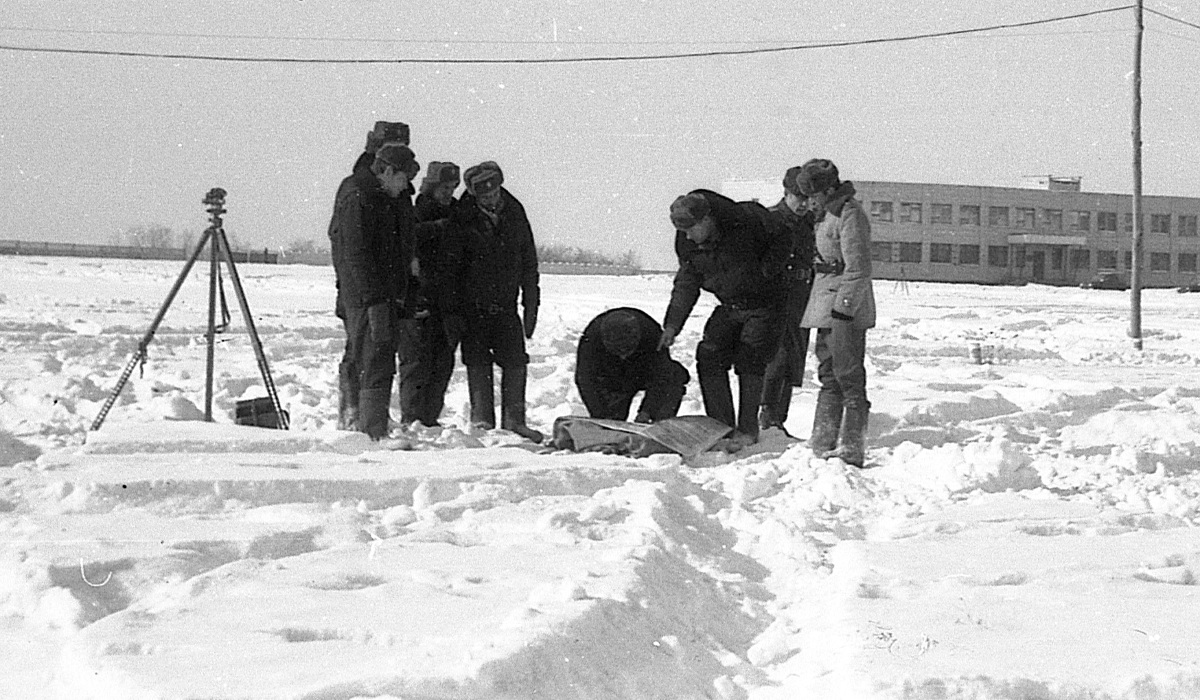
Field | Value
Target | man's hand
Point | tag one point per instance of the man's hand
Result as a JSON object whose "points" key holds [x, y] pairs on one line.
{"points": [[379, 320], [643, 417], [530, 320], [667, 339], [841, 316], [455, 327]]}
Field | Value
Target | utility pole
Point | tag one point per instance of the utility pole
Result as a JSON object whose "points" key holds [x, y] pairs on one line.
{"points": [[1135, 275]]}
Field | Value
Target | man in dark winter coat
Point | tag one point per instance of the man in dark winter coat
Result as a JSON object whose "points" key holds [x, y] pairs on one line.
{"points": [[618, 356], [372, 237], [498, 263], [348, 370], [428, 334], [786, 369], [841, 308], [736, 250]]}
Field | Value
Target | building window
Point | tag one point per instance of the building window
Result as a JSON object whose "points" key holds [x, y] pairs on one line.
{"points": [[881, 251], [940, 252], [1187, 262], [998, 216], [1106, 259], [910, 252], [1160, 262], [968, 254], [968, 215], [910, 212], [1106, 221], [1081, 221], [1160, 223], [941, 214], [1025, 218], [1129, 223], [1056, 258], [881, 211], [1129, 261], [1052, 219], [1081, 259], [998, 255], [1187, 224], [1018, 256]]}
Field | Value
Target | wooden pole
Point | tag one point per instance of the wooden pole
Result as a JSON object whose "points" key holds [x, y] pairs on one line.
{"points": [[1135, 275]]}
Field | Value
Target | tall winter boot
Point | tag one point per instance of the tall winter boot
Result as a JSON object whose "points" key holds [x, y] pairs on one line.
{"points": [[718, 397], [775, 408], [347, 398], [852, 441], [481, 386], [512, 403], [373, 412], [749, 396], [827, 422]]}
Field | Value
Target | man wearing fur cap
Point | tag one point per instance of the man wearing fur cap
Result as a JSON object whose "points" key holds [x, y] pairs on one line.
{"points": [[618, 356], [841, 308], [348, 370], [429, 334], [498, 264], [372, 234], [786, 369], [735, 250]]}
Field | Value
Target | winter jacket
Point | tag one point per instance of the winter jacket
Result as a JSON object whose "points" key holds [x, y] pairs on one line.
{"points": [[437, 282], [742, 264], [599, 373], [802, 244], [496, 258], [371, 239], [843, 266]]}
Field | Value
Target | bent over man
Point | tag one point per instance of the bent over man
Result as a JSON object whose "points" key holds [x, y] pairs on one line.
{"points": [[618, 356], [841, 308], [372, 238], [736, 250]]}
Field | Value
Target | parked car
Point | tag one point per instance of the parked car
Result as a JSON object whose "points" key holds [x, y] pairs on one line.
{"points": [[1106, 280], [1184, 289]]}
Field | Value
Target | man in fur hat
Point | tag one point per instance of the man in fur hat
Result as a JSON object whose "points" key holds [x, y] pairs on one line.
{"points": [[498, 263], [618, 356]]}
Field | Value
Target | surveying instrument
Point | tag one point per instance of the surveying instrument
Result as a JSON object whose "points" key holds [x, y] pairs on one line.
{"points": [[218, 246]]}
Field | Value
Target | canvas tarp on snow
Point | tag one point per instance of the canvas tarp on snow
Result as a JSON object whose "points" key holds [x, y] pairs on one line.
{"points": [[687, 435]]}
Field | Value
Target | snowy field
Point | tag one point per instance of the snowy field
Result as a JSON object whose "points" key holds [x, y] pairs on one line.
{"points": [[1027, 529]]}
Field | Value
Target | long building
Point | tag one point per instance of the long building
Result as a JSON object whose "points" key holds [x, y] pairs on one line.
{"points": [[1046, 231]]}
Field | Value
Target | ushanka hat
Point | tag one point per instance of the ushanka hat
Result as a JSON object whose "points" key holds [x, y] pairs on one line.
{"points": [[439, 173], [400, 157], [483, 178], [791, 182], [688, 210], [386, 132], [619, 333], [817, 175]]}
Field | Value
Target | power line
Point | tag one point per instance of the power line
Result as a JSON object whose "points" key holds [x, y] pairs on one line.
{"points": [[590, 59], [1173, 19]]}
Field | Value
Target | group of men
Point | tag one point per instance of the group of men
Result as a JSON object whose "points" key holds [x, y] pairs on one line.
{"points": [[803, 264], [416, 279]]}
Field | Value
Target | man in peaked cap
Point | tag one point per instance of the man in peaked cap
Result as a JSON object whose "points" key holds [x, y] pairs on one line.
{"points": [[736, 250], [618, 356], [786, 368], [498, 263], [430, 331]]}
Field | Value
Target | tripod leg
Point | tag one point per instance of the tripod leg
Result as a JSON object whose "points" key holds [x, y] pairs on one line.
{"points": [[220, 240], [214, 272], [141, 351]]}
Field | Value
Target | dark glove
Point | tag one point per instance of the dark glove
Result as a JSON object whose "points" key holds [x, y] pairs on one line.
{"points": [[667, 339], [530, 320], [643, 417], [841, 316], [379, 319], [455, 327]]}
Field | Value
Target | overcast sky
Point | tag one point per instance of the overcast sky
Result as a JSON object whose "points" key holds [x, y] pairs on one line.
{"points": [[91, 145]]}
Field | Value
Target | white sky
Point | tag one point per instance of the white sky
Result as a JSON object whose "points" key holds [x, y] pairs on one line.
{"points": [[91, 145]]}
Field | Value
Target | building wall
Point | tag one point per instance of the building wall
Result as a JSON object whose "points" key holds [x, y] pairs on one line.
{"points": [[923, 231]]}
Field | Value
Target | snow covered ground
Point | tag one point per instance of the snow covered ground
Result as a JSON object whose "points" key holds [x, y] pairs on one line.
{"points": [[1027, 531]]}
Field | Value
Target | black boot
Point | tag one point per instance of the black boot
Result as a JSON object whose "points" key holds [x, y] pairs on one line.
{"points": [[512, 403], [373, 412], [775, 409], [750, 388], [481, 385], [718, 397], [347, 397], [851, 447], [827, 422]]}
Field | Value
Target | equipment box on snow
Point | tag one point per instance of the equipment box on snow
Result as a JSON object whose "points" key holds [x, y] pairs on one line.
{"points": [[258, 412]]}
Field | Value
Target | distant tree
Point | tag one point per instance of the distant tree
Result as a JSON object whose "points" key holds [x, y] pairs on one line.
{"points": [[303, 246], [147, 236], [561, 253]]}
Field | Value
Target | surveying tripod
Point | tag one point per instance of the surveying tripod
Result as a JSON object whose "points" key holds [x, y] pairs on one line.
{"points": [[214, 235]]}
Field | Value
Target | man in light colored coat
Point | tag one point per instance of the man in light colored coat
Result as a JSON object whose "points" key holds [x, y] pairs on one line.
{"points": [[841, 307]]}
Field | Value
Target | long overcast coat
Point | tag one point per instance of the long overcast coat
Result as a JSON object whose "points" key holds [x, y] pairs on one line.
{"points": [[844, 235]]}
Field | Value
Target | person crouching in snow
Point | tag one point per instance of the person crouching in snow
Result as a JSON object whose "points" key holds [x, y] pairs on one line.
{"points": [[841, 307], [737, 251], [498, 262], [618, 356]]}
